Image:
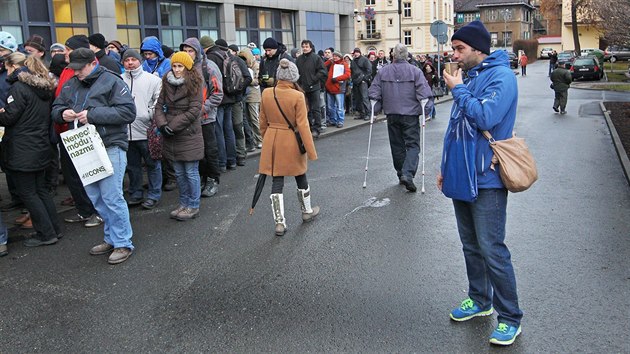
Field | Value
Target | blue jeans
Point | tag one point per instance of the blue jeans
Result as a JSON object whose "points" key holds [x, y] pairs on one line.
{"points": [[491, 279], [4, 233], [334, 107], [107, 197], [188, 182], [226, 140], [138, 151], [404, 142]]}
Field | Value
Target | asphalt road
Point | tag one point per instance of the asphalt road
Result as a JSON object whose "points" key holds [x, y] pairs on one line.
{"points": [[378, 271]]}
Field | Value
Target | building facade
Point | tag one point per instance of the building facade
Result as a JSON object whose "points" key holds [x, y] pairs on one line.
{"points": [[380, 24], [589, 33], [326, 22]]}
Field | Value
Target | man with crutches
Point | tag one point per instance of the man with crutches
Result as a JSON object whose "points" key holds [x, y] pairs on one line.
{"points": [[401, 88]]}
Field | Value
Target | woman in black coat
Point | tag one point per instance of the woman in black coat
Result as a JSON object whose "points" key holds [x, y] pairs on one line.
{"points": [[26, 142]]}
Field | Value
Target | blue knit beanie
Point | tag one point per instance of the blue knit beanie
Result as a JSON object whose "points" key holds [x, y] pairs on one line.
{"points": [[475, 35]]}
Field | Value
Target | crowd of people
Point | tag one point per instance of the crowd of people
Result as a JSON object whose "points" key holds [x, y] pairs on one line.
{"points": [[190, 115]]}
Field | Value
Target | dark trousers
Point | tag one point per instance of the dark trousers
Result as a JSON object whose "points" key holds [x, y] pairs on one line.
{"points": [[561, 99], [278, 183], [239, 134], [524, 70], [360, 99], [314, 109], [168, 172], [75, 186], [404, 142], [52, 172], [209, 166], [33, 191]]}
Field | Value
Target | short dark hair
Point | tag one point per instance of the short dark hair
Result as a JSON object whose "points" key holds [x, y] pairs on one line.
{"points": [[307, 41]]}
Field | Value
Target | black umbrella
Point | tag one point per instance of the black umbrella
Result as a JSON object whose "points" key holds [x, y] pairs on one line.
{"points": [[260, 184]]}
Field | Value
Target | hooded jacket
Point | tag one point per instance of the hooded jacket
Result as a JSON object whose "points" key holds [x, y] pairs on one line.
{"points": [[160, 65], [145, 89], [253, 90], [108, 101], [312, 72], [214, 92], [488, 99], [26, 141]]}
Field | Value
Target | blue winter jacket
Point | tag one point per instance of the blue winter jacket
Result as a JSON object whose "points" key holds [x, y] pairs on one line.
{"points": [[488, 99], [160, 65]]}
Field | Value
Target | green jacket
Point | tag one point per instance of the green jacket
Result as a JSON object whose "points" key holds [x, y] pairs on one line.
{"points": [[561, 79]]}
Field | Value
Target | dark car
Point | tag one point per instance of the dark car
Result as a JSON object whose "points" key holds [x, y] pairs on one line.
{"points": [[565, 57], [586, 68], [513, 60]]}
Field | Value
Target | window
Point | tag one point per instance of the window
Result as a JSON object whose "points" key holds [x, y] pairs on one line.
{"points": [[370, 2], [171, 14], [407, 37], [370, 28], [70, 16], [507, 39], [256, 24], [494, 38], [492, 15], [460, 18], [240, 17], [11, 10], [264, 19], [390, 22], [406, 9], [208, 16]]}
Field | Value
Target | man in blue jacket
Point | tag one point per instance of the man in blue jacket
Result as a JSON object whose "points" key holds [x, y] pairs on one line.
{"points": [[401, 87], [98, 96], [487, 99]]}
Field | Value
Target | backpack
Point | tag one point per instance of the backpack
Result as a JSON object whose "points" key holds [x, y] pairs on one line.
{"points": [[233, 78]]}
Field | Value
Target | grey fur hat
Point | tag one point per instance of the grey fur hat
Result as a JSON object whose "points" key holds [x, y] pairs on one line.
{"points": [[287, 71]]}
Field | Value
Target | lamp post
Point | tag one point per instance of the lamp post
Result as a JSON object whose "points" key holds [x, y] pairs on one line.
{"points": [[400, 21], [506, 16]]}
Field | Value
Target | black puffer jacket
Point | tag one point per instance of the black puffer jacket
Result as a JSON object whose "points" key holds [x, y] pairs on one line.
{"points": [[108, 101], [26, 142]]}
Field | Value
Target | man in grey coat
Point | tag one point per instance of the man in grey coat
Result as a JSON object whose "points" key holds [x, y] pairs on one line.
{"points": [[399, 88]]}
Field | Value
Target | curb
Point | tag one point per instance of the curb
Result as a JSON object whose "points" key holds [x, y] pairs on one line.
{"points": [[621, 152]]}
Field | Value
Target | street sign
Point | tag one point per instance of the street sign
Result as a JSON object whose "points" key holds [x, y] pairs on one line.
{"points": [[439, 30]]}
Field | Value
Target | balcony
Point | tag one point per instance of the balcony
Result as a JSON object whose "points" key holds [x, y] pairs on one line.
{"points": [[369, 38]]}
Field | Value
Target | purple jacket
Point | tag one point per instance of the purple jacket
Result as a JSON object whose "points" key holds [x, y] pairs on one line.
{"points": [[400, 87]]}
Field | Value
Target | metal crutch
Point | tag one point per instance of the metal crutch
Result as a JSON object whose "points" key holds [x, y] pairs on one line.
{"points": [[423, 103], [367, 159]]}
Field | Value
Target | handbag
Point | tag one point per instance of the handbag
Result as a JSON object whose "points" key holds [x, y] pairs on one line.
{"points": [[88, 153], [154, 141], [517, 166], [437, 91], [298, 137]]}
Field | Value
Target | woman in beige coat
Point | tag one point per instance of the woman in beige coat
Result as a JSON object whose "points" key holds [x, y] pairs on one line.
{"points": [[280, 154]]}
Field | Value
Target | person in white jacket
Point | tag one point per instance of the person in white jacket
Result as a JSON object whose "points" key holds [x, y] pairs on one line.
{"points": [[145, 89]]}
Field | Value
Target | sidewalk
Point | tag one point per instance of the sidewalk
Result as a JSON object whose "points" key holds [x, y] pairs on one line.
{"points": [[16, 234]]}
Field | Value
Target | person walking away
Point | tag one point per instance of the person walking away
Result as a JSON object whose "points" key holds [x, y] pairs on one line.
{"points": [[312, 73], [98, 96], [213, 95], [178, 118], [252, 100], [523, 62], [145, 89], [280, 155], [487, 99], [553, 60], [336, 90], [561, 80], [361, 70], [399, 88], [26, 142]]}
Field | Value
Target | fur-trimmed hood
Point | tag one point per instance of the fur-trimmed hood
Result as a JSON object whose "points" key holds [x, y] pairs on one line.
{"points": [[42, 86]]}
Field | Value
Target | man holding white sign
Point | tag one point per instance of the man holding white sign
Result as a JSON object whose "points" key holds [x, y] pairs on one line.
{"points": [[99, 97]]}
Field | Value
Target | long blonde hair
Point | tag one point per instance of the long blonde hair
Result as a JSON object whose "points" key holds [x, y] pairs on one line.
{"points": [[34, 65]]}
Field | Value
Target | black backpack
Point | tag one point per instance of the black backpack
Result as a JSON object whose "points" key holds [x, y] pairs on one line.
{"points": [[233, 78]]}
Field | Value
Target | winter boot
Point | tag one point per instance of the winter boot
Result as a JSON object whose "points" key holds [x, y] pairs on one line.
{"points": [[308, 212], [210, 188], [277, 206]]}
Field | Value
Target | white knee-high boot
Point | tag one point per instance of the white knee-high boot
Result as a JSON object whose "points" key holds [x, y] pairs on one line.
{"points": [[308, 212], [277, 206]]}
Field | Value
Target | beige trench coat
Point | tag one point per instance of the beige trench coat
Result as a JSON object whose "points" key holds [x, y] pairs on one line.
{"points": [[280, 154]]}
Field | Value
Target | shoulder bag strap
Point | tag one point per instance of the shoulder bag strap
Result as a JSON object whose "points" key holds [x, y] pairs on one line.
{"points": [[488, 136], [281, 111]]}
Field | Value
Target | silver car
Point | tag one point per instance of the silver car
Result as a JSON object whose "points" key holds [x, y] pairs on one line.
{"points": [[614, 53]]}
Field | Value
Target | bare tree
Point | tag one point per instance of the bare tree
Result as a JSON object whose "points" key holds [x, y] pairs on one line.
{"points": [[582, 12], [616, 16]]}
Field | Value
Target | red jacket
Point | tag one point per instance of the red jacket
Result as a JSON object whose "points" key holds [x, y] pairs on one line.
{"points": [[334, 87], [523, 60], [66, 75]]}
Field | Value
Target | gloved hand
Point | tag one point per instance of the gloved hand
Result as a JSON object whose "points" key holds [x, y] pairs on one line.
{"points": [[270, 81], [166, 130]]}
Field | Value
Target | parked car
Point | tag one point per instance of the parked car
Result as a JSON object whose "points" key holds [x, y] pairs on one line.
{"points": [[544, 53], [586, 67], [593, 52], [566, 57], [614, 53], [513, 60]]}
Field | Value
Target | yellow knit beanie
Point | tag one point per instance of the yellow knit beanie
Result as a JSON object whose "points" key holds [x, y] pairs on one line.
{"points": [[182, 58]]}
